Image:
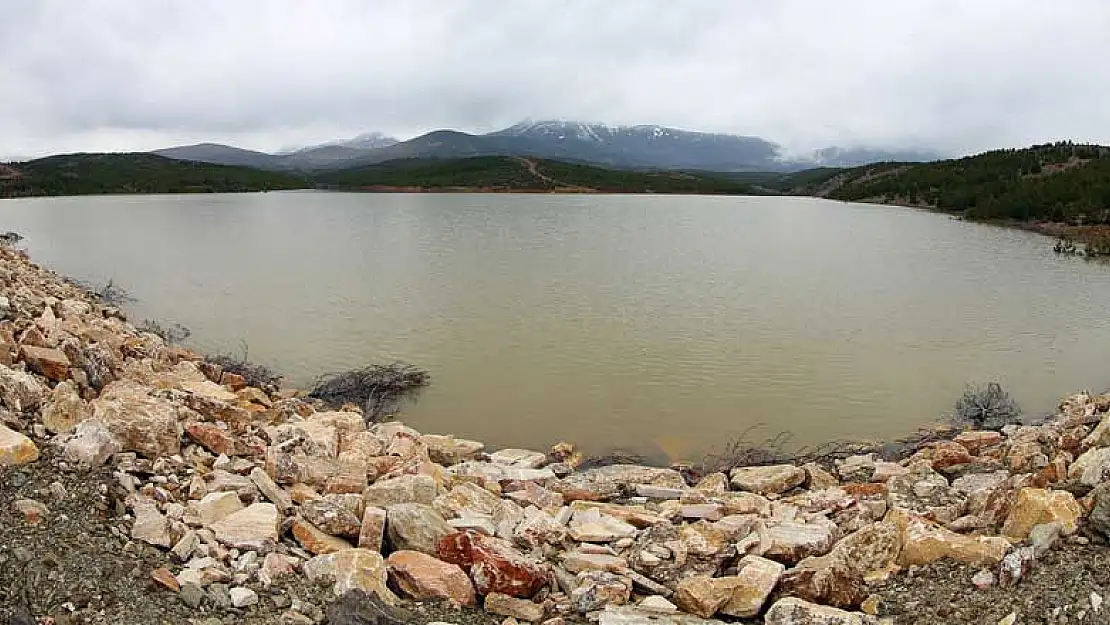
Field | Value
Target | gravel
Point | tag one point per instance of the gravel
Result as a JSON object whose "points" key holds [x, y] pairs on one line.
{"points": [[1057, 590], [79, 566]]}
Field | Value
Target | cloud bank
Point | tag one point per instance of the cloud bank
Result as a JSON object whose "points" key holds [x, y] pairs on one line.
{"points": [[954, 76]]}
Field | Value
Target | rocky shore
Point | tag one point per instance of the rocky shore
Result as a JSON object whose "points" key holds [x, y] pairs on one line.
{"points": [[141, 484]]}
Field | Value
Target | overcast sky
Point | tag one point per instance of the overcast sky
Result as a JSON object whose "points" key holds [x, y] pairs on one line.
{"points": [[953, 75]]}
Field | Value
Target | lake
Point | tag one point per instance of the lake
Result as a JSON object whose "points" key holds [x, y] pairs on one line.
{"points": [[659, 325]]}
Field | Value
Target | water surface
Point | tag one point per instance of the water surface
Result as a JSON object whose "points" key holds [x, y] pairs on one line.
{"points": [[656, 324]]}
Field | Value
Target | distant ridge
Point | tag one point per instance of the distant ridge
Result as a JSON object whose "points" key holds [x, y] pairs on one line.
{"points": [[623, 147], [220, 155], [97, 174]]}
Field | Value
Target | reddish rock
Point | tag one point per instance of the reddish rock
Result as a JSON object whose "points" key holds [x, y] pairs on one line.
{"points": [[233, 381], [345, 484], [494, 564], [212, 438], [947, 454], [977, 441], [51, 363], [165, 579], [316, 541], [864, 490], [423, 577], [34, 512]]}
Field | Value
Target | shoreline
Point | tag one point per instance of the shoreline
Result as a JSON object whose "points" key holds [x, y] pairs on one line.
{"points": [[256, 502]]}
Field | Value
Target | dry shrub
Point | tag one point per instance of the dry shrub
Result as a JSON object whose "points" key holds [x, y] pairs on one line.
{"points": [[254, 374], [379, 389]]}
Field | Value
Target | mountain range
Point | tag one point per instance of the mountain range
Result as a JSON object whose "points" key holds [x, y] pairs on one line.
{"points": [[622, 147]]}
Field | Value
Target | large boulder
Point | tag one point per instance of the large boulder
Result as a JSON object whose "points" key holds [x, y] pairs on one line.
{"points": [[447, 450], [467, 500], [315, 540], [840, 578], [422, 577], [982, 490], [415, 527], [271, 490], [735, 595], [20, 391], [1034, 506], [516, 609], [590, 525], [666, 554], [768, 480], [45, 361], [494, 564], [331, 518], [791, 542], [924, 542], [215, 506], [420, 489], [794, 611], [92, 444], [213, 438], [142, 423], [15, 448], [757, 578], [539, 528], [520, 458], [1091, 468], [597, 589], [352, 569], [1099, 519], [65, 409], [254, 527], [605, 483], [925, 492]]}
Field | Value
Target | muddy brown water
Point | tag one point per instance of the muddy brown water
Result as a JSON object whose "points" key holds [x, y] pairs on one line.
{"points": [[660, 325]]}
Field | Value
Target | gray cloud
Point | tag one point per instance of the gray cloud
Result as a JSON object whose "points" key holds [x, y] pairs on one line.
{"points": [[953, 75]]}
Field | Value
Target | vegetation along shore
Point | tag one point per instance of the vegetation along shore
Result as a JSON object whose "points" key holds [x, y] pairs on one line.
{"points": [[1060, 189], [145, 483]]}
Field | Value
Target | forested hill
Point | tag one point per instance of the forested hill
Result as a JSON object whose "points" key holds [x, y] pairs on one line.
{"points": [[92, 174], [510, 173], [1062, 182]]}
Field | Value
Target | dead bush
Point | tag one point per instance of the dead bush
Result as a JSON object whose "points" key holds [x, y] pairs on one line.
{"points": [[379, 389]]}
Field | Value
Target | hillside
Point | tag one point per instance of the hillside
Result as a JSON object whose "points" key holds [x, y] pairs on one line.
{"points": [[92, 174], [1061, 182], [507, 173]]}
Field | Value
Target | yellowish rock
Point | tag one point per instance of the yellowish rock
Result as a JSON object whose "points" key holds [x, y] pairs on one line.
{"points": [[923, 542], [1034, 506], [758, 577], [15, 448]]}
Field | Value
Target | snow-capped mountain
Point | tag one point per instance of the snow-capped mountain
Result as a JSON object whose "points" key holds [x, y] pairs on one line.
{"points": [[368, 141], [644, 146]]}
